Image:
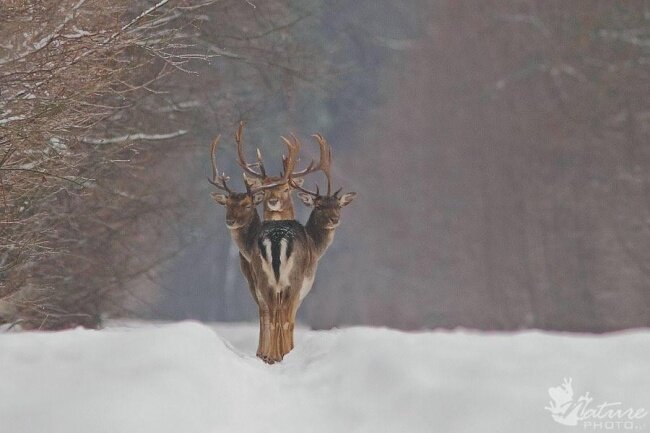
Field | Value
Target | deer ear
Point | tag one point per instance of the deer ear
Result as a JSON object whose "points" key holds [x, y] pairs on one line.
{"points": [[253, 182], [258, 198], [220, 198], [307, 199], [346, 198], [299, 181]]}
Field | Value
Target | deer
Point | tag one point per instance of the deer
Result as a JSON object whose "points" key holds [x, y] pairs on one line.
{"points": [[326, 209], [278, 203], [244, 224], [290, 252], [279, 257]]}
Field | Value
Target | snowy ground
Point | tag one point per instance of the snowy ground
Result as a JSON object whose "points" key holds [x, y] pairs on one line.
{"points": [[187, 377]]}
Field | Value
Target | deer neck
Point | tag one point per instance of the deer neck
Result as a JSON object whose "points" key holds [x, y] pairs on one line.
{"points": [[244, 236], [319, 233]]}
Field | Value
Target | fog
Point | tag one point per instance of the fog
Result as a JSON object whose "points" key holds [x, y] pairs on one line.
{"points": [[499, 152]]}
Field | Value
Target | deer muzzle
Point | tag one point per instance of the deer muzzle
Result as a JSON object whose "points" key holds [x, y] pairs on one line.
{"points": [[273, 204]]}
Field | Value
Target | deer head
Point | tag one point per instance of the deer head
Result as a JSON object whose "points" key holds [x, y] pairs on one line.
{"points": [[326, 208], [278, 204], [240, 207]]}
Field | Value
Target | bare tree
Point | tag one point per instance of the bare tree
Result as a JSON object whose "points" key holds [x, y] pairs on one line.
{"points": [[97, 99]]}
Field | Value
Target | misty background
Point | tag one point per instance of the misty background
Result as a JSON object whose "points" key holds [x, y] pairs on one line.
{"points": [[499, 150], [500, 153]]}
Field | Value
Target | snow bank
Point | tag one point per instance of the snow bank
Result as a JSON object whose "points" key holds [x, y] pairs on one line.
{"points": [[186, 377]]}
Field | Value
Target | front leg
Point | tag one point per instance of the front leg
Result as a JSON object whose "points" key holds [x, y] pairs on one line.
{"points": [[268, 310], [289, 324], [265, 334], [264, 313], [278, 326], [287, 307]]}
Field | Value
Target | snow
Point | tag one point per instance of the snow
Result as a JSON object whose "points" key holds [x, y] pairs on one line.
{"points": [[188, 377]]}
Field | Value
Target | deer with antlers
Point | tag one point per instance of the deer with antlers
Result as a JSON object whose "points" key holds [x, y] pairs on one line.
{"points": [[290, 253], [278, 203], [326, 213], [279, 257], [244, 224]]}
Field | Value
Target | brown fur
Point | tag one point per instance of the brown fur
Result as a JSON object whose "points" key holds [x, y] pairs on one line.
{"points": [[278, 297], [244, 225], [279, 307], [276, 311], [278, 203], [308, 248]]}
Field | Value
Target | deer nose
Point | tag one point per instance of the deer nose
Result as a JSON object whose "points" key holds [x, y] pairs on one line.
{"points": [[334, 220], [273, 201], [230, 221]]}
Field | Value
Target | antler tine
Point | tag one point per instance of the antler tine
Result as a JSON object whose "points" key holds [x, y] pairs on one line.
{"points": [[241, 159], [295, 185], [213, 151], [325, 162], [260, 163], [250, 190], [291, 160], [217, 180]]}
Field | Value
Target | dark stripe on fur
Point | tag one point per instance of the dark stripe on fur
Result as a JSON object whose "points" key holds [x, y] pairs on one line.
{"points": [[275, 254], [275, 232]]}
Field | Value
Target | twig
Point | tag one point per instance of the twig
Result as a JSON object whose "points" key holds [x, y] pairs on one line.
{"points": [[43, 173], [158, 5], [133, 137]]}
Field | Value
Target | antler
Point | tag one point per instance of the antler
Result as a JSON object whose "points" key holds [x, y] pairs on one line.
{"points": [[323, 162], [217, 180], [241, 159], [289, 162], [295, 185], [324, 165]]}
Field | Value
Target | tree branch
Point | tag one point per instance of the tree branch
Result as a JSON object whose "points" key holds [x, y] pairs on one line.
{"points": [[133, 137]]}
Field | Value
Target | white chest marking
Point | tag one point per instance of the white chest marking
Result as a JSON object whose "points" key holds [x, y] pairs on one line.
{"points": [[286, 265], [267, 267]]}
